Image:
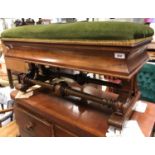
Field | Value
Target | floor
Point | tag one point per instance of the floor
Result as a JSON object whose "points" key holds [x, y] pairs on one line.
{"points": [[10, 130]]}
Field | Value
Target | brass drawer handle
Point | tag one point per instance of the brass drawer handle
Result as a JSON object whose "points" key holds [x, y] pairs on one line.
{"points": [[29, 126]]}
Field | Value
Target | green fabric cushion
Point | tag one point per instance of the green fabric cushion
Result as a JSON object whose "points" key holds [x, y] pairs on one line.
{"points": [[146, 82], [82, 31]]}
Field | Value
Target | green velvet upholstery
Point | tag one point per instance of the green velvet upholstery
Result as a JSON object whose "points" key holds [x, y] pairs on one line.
{"points": [[82, 31], [146, 82]]}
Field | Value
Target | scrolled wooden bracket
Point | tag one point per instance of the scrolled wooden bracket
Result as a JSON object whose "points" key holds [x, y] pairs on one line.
{"points": [[118, 120]]}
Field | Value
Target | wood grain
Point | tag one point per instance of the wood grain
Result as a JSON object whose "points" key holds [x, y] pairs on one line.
{"points": [[70, 118], [98, 59]]}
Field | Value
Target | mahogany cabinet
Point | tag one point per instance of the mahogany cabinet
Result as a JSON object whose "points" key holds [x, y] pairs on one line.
{"points": [[46, 115]]}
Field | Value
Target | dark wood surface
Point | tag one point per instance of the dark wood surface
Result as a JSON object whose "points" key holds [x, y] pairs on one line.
{"points": [[70, 119]]}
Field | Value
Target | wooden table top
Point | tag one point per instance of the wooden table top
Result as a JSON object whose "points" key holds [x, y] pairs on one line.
{"points": [[146, 120], [92, 121]]}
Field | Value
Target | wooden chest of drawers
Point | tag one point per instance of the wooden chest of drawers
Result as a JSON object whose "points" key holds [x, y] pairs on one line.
{"points": [[46, 115], [31, 125]]}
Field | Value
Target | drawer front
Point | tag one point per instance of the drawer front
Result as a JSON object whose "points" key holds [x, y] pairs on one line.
{"points": [[30, 125], [16, 65], [61, 132]]}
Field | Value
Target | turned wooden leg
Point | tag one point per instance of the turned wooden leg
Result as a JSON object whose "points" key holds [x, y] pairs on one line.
{"points": [[10, 78], [18, 76]]}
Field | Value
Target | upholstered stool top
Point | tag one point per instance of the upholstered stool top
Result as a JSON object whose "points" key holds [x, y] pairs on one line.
{"points": [[82, 31]]}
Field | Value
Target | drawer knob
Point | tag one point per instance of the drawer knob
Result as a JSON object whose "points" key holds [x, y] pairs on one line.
{"points": [[29, 126]]}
